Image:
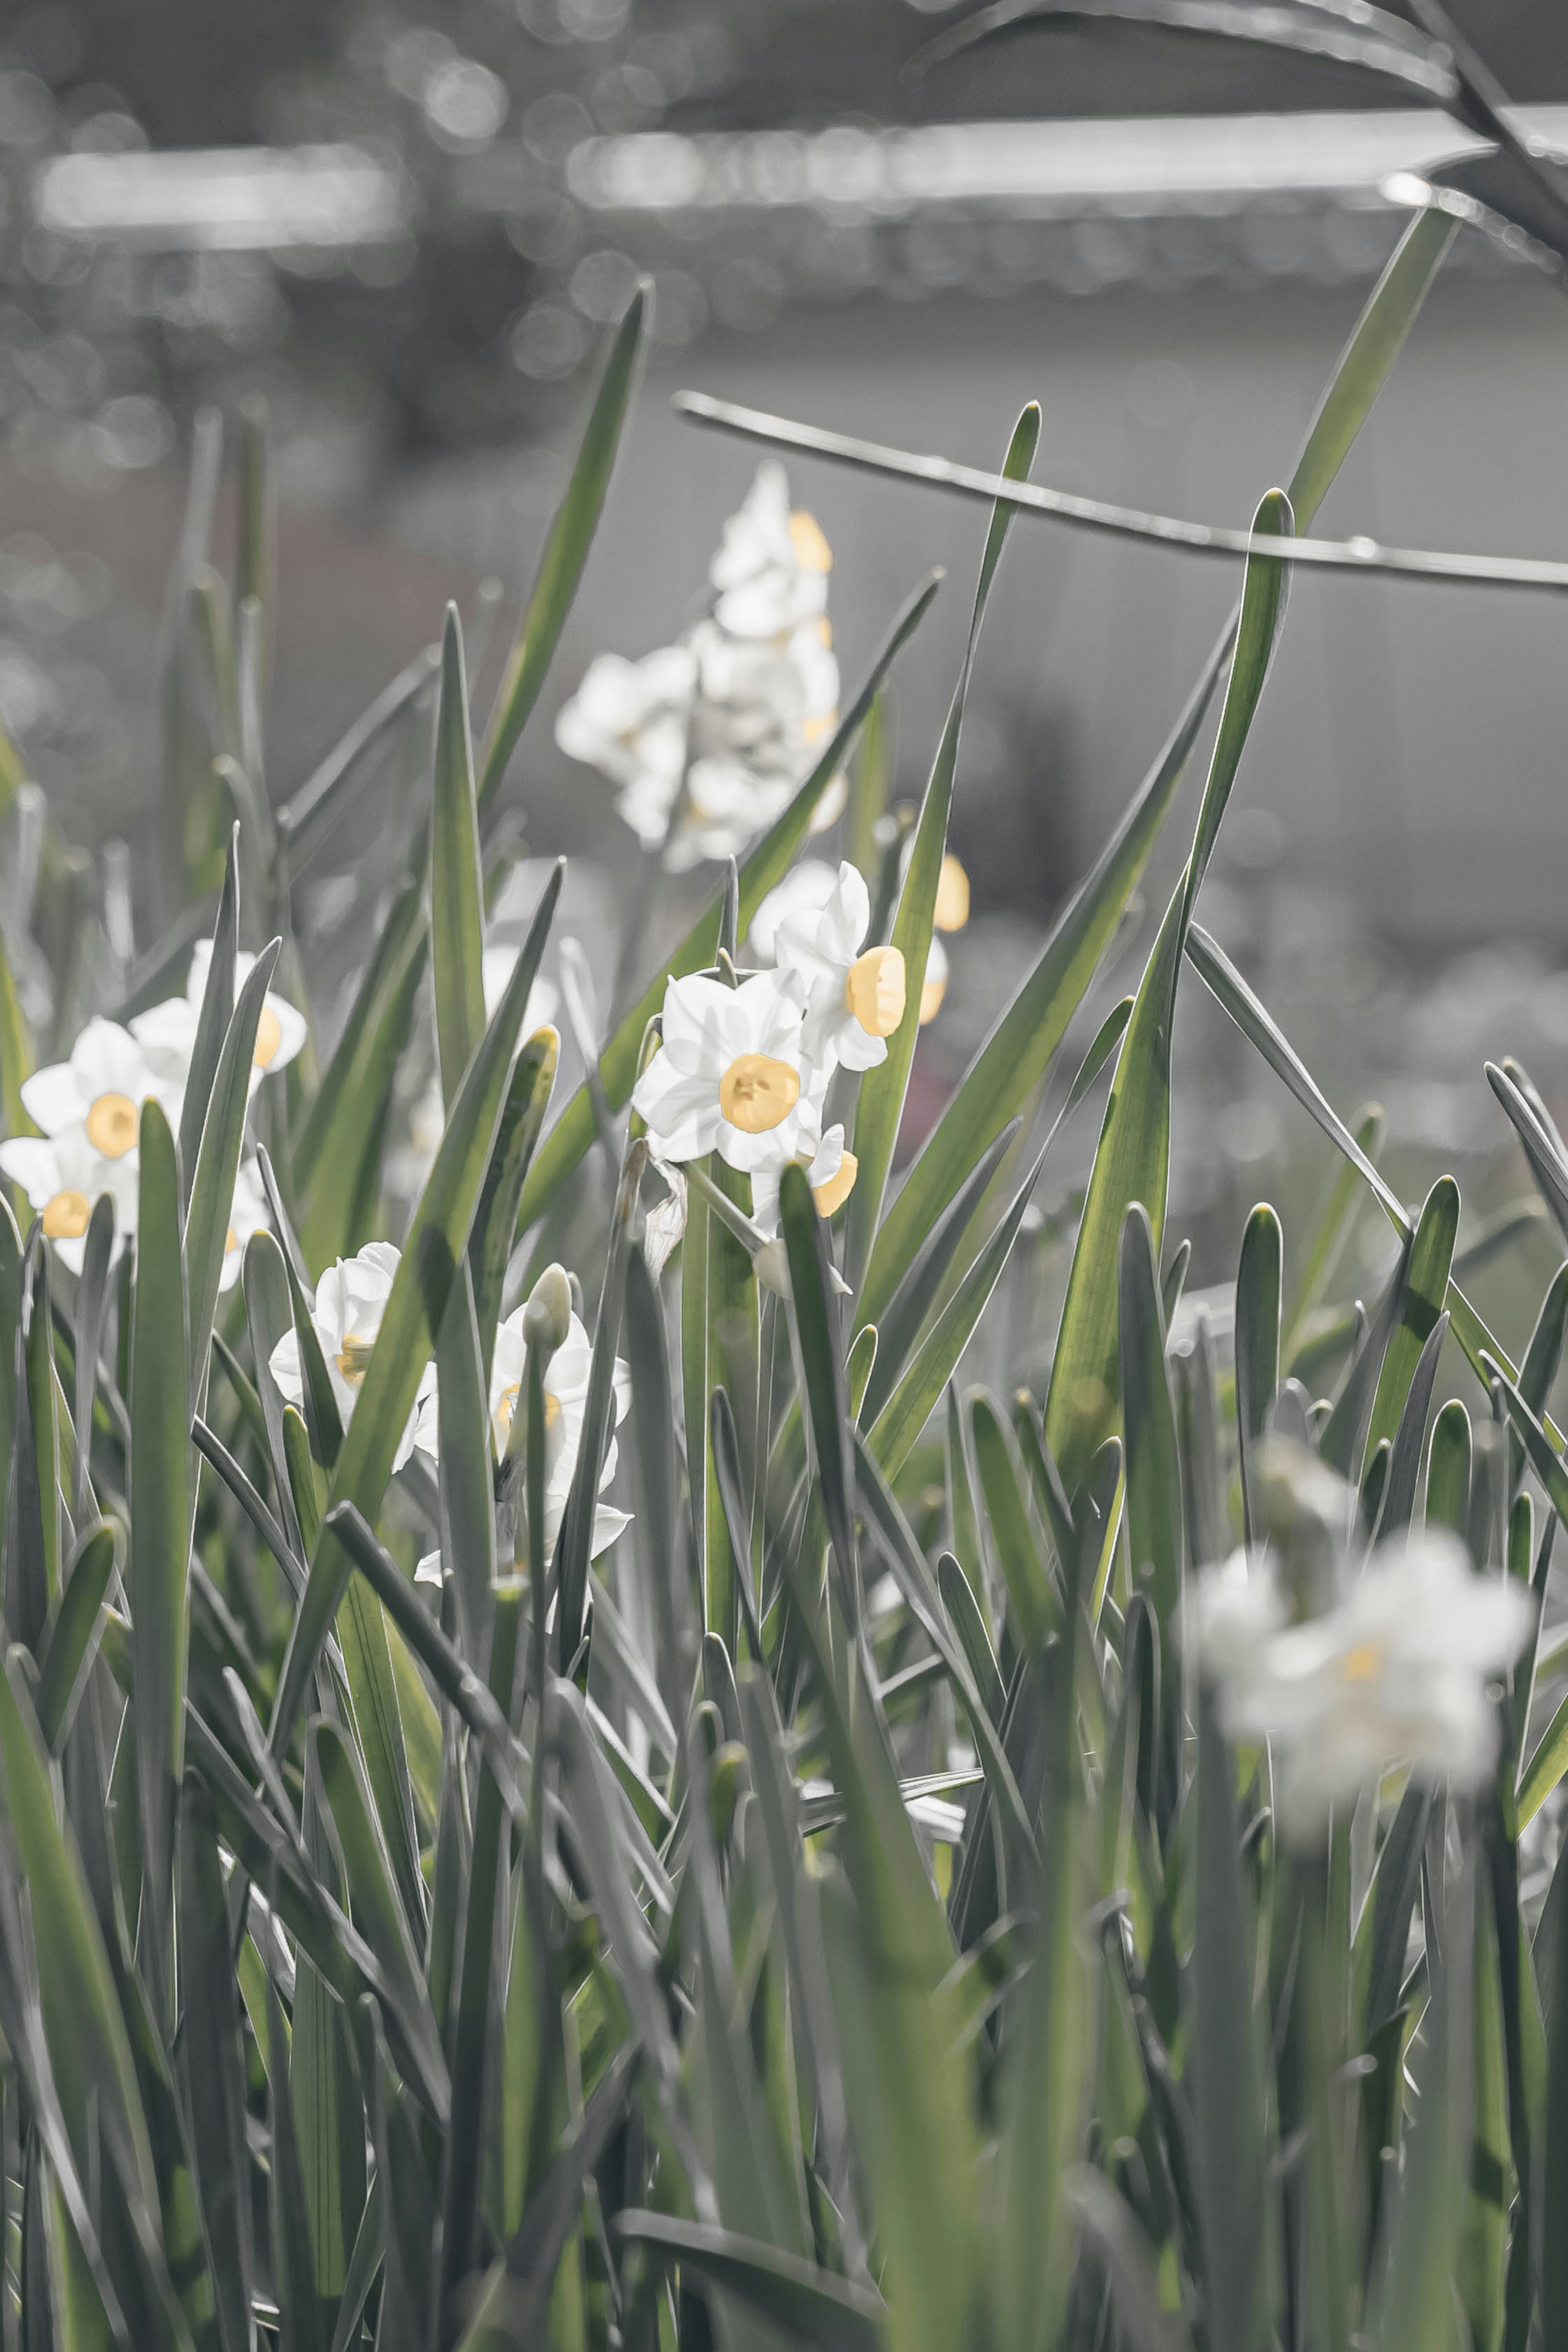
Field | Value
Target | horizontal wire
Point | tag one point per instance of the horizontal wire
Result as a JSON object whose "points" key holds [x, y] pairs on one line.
{"points": [[1358, 554]]}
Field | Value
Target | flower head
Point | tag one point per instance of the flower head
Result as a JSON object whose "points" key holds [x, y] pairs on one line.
{"points": [[88, 1110], [729, 1077], [565, 1382], [1395, 1672], [350, 1300], [167, 1031], [631, 720], [772, 565], [854, 1000]]}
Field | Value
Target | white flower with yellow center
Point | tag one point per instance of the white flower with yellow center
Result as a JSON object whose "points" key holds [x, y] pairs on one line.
{"points": [[772, 565], [566, 1401], [854, 995], [1395, 1673], [89, 1112], [167, 1031], [350, 1300], [631, 720], [729, 1076]]}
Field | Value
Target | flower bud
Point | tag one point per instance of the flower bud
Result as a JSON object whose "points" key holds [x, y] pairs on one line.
{"points": [[547, 1318]]}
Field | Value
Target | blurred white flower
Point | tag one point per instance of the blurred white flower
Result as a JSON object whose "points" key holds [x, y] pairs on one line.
{"points": [[565, 1400], [631, 720], [167, 1031], [728, 1076], [854, 1001], [709, 738], [1394, 1673], [772, 565], [248, 1213], [89, 1112], [350, 1300]]}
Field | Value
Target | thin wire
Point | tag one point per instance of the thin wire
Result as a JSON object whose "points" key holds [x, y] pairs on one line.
{"points": [[1357, 555]]}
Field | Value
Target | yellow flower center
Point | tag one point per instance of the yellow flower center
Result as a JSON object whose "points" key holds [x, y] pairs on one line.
{"points": [[756, 1093], [111, 1126], [812, 552], [931, 997], [507, 1405], [231, 1241], [1363, 1663], [268, 1037], [354, 1361], [951, 911], [66, 1216], [874, 991], [837, 1190]]}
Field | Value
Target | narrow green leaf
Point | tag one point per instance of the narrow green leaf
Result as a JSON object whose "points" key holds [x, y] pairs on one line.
{"points": [[1426, 1288], [907, 1409], [1257, 1342], [906, 1310], [217, 1163], [72, 1641], [809, 2304], [293, 2261], [89, 2054], [437, 1239], [879, 1106], [160, 1527], [367, 1872], [1232, 2169], [213, 1020], [466, 1465], [567, 545], [210, 2071], [1034, 1608], [574, 1545], [456, 892], [1132, 1161], [1538, 1372], [817, 1336], [304, 822], [490, 1242], [1404, 1462]]}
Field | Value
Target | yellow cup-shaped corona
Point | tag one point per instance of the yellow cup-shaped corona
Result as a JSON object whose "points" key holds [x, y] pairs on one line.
{"points": [[66, 1216], [757, 1093], [951, 911], [111, 1126], [812, 552], [874, 991], [931, 997], [837, 1190]]}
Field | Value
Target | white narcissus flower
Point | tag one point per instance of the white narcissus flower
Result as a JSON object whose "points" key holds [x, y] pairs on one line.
{"points": [[565, 1400], [728, 1076], [854, 1000], [88, 1110], [167, 1031], [631, 720], [772, 565], [350, 1300], [1395, 1673]]}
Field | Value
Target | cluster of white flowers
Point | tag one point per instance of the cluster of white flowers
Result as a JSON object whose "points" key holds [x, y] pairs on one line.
{"points": [[707, 739], [744, 1070], [346, 1314], [88, 1114], [1395, 1672]]}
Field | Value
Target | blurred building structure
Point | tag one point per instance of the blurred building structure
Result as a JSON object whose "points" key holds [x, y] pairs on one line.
{"points": [[413, 233]]}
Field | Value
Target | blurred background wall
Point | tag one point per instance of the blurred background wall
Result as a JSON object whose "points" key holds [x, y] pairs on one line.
{"points": [[408, 227]]}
